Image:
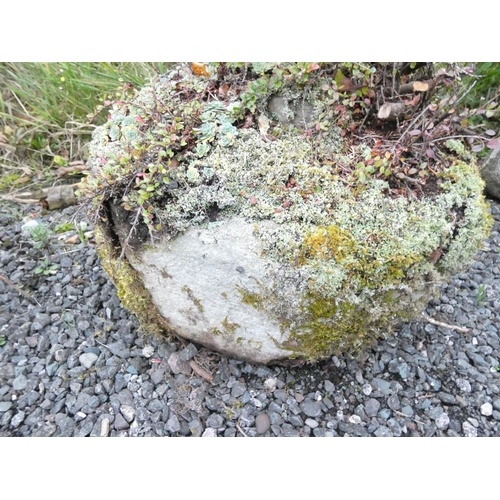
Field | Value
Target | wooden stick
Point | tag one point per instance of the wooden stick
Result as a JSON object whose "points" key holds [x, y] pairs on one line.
{"points": [[15, 287], [241, 430], [19, 200], [409, 88], [391, 111], [401, 414], [460, 329]]}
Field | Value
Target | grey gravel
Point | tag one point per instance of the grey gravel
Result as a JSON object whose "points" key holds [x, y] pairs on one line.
{"points": [[87, 359], [75, 363], [311, 408]]}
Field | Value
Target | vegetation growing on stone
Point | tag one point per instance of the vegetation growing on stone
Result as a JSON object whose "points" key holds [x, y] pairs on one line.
{"points": [[363, 231]]}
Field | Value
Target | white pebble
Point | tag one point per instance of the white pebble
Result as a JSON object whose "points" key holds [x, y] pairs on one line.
{"points": [[486, 409], [209, 432], [28, 226], [367, 389], [442, 421], [270, 384], [355, 419], [148, 351], [87, 359], [104, 427], [469, 429]]}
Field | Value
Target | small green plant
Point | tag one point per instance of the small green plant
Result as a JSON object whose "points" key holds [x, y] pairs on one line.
{"points": [[3, 340], [46, 268], [64, 227], [41, 236], [480, 295], [68, 319], [81, 229]]}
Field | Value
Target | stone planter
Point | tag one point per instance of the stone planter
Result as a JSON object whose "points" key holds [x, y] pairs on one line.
{"points": [[263, 254]]}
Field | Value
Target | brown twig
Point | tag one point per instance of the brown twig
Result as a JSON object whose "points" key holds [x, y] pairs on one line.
{"points": [[17, 289], [125, 243], [408, 128], [200, 371]]}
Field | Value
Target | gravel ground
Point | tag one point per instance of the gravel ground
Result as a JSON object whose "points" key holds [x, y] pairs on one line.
{"points": [[73, 362]]}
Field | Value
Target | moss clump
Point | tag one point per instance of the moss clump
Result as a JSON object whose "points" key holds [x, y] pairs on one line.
{"points": [[130, 289], [327, 243], [229, 327], [253, 299]]}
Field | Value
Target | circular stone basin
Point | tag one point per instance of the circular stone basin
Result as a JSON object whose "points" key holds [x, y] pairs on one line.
{"points": [[263, 254]]}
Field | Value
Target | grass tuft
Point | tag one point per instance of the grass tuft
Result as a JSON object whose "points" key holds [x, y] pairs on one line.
{"points": [[49, 110]]}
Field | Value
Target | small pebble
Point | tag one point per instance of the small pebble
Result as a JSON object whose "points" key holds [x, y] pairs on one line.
{"points": [[262, 423]]}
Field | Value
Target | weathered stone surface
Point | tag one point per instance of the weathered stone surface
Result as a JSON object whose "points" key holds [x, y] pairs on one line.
{"points": [[300, 113], [490, 172], [203, 282]]}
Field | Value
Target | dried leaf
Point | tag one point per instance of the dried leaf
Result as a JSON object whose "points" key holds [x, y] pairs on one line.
{"points": [[477, 148], [72, 241], [199, 69], [252, 200], [490, 132], [312, 67], [22, 180], [223, 90], [414, 132], [430, 153], [412, 171], [436, 255]]}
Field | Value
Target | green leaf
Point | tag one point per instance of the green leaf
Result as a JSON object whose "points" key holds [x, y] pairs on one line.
{"points": [[59, 160]]}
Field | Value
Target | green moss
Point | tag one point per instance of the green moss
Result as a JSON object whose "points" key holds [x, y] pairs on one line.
{"points": [[256, 300], [215, 331], [331, 327], [230, 328], [194, 300], [130, 288]]}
